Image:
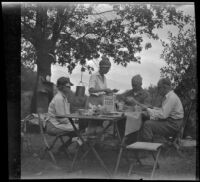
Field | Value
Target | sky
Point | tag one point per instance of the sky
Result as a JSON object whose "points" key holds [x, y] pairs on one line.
{"points": [[119, 77]]}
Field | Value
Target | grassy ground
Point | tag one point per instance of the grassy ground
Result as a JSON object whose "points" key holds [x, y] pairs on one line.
{"points": [[172, 166]]}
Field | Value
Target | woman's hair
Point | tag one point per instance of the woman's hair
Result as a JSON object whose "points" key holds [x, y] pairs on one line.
{"points": [[136, 79], [104, 62]]}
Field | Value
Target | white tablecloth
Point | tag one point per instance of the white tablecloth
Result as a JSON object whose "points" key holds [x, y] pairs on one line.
{"points": [[133, 122]]}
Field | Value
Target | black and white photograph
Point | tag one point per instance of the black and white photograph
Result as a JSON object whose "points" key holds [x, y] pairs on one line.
{"points": [[107, 90]]}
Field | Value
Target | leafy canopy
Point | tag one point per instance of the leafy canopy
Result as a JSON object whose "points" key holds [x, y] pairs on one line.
{"points": [[70, 32], [180, 56]]}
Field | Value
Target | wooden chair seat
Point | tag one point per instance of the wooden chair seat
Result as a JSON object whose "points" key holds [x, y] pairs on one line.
{"points": [[141, 146], [144, 146]]}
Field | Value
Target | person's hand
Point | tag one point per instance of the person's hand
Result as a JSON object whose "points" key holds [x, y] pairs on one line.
{"points": [[145, 113], [144, 108], [63, 121], [150, 106], [107, 90], [115, 90], [129, 99]]}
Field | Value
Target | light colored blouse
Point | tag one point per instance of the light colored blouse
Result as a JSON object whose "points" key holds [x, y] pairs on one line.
{"points": [[60, 106], [97, 82]]}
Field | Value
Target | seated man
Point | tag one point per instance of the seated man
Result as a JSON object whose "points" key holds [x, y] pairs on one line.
{"points": [[137, 94], [165, 121]]}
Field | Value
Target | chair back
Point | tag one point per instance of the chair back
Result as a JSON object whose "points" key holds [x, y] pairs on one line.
{"points": [[187, 109], [41, 124], [42, 130]]}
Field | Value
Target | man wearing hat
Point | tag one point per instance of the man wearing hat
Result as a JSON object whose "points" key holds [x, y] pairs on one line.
{"points": [[165, 121], [60, 106]]}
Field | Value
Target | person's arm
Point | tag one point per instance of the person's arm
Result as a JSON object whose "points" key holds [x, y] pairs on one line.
{"points": [[163, 112], [60, 109], [133, 100], [92, 84]]}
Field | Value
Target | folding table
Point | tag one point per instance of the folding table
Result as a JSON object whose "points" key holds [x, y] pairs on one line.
{"points": [[113, 119]]}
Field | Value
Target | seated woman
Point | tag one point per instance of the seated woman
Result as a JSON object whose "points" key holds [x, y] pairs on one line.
{"points": [[60, 106]]}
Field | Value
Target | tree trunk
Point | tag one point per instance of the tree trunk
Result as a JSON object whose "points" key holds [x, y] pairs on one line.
{"points": [[43, 92]]}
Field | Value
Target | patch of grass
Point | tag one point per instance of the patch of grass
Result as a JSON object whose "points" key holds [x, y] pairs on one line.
{"points": [[171, 165]]}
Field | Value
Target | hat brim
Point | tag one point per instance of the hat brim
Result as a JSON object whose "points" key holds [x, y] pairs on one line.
{"points": [[69, 84]]}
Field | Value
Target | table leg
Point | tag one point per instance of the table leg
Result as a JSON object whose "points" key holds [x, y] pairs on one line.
{"points": [[91, 147], [101, 161]]}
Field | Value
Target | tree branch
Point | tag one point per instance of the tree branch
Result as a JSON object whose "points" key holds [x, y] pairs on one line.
{"points": [[102, 12], [56, 33], [28, 33]]}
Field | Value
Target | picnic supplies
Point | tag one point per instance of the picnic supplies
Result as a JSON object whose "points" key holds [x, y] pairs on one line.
{"points": [[109, 102], [80, 89]]}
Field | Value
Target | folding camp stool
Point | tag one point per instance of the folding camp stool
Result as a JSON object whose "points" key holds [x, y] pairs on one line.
{"points": [[49, 147], [142, 146]]}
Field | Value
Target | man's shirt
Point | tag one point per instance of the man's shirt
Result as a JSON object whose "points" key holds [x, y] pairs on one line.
{"points": [[97, 82], [171, 107]]}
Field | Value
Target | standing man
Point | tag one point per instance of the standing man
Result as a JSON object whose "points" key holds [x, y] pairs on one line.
{"points": [[165, 121]]}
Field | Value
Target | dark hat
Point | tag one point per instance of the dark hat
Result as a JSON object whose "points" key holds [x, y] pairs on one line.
{"points": [[64, 81]]}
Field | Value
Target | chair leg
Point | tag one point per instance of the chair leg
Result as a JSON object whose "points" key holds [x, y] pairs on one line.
{"points": [[137, 158], [48, 149], [118, 160], [65, 146], [130, 169], [157, 166], [52, 157], [155, 163], [44, 153], [74, 159]]}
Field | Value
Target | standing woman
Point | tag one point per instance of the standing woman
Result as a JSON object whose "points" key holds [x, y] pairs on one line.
{"points": [[97, 89]]}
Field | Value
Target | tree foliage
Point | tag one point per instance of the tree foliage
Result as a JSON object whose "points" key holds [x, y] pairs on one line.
{"points": [[65, 31], [180, 56]]}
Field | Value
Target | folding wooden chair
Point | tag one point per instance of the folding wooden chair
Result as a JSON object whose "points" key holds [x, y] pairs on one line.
{"points": [[49, 147], [137, 147], [25, 139], [175, 141]]}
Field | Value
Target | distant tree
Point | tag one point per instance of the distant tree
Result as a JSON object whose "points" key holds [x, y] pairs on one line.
{"points": [[63, 29], [155, 98], [180, 56]]}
